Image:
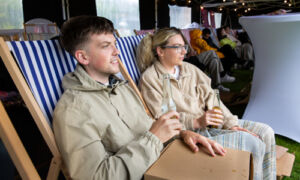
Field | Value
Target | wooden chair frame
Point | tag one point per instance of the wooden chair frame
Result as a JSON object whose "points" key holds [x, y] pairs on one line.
{"points": [[34, 109], [15, 147]]}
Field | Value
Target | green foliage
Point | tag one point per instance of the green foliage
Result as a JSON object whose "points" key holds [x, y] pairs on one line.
{"points": [[11, 16]]}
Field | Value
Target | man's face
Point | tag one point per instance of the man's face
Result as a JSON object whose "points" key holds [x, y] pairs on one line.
{"points": [[101, 54]]}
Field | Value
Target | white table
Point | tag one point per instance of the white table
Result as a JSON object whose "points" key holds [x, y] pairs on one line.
{"points": [[275, 93]]}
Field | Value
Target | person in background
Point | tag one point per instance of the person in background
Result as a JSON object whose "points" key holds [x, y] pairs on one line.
{"points": [[247, 52], [232, 36], [207, 37], [200, 46], [100, 124], [223, 38], [163, 53]]}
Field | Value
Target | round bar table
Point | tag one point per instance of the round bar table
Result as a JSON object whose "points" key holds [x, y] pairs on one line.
{"points": [[275, 92]]}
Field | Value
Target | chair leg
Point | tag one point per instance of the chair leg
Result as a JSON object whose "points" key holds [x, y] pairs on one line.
{"points": [[54, 169], [15, 147]]}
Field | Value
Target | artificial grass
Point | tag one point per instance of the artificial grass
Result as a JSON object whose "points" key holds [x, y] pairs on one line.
{"points": [[294, 148], [243, 78]]}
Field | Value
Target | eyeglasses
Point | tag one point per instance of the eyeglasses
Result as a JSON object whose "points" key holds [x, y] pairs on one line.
{"points": [[179, 49]]}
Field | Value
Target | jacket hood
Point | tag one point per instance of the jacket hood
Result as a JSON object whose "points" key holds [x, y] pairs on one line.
{"points": [[80, 80], [195, 34]]}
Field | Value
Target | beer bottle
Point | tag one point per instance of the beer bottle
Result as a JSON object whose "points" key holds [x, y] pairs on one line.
{"points": [[217, 104], [168, 103]]}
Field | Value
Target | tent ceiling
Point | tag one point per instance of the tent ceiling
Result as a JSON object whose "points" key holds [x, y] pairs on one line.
{"points": [[250, 7]]}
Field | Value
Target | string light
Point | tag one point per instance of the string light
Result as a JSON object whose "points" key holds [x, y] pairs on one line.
{"points": [[290, 4], [220, 9], [285, 1], [201, 7], [235, 9], [243, 4], [224, 0], [234, 1], [246, 10], [249, 9]]}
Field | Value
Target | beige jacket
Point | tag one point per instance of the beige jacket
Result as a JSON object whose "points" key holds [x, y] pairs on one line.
{"points": [[102, 132], [192, 94]]}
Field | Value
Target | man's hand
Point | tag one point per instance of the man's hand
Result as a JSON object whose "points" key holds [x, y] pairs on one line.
{"points": [[237, 128], [166, 126], [209, 146], [211, 117]]}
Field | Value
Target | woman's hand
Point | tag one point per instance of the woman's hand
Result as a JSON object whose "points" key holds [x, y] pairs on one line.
{"points": [[192, 139], [211, 117], [237, 128]]}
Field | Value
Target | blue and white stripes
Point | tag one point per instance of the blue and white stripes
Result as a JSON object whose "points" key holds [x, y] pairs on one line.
{"points": [[43, 64], [127, 47]]}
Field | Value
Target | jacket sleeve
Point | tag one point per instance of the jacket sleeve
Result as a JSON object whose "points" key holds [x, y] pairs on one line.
{"points": [[152, 94], [205, 47], [86, 157]]}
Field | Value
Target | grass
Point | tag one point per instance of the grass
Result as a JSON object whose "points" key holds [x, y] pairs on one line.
{"points": [[243, 78]]}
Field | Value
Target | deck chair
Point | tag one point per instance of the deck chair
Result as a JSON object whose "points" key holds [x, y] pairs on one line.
{"points": [[37, 70], [128, 64], [143, 32], [39, 29], [15, 147]]}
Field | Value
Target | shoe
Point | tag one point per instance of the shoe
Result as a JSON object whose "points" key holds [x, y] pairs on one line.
{"points": [[227, 79], [222, 88]]}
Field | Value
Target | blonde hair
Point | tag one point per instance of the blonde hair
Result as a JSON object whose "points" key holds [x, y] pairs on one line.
{"points": [[146, 51]]}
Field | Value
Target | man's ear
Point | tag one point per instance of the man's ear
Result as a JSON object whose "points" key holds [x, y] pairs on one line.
{"points": [[82, 57]]}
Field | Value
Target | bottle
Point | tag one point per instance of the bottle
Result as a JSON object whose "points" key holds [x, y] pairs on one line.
{"points": [[217, 105], [168, 103]]}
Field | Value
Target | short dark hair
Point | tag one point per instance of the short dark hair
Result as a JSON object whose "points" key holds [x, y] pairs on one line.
{"points": [[205, 31], [76, 31]]}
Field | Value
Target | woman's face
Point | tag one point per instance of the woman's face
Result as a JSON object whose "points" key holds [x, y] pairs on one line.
{"points": [[173, 52]]}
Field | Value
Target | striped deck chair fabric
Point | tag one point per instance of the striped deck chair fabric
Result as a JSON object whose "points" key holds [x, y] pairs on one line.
{"points": [[127, 47], [43, 67]]}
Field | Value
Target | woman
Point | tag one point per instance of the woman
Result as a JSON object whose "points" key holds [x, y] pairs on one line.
{"points": [[163, 53]]}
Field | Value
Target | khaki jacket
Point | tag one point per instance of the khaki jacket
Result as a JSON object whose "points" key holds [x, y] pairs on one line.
{"points": [[102, 132], [192, 94]]}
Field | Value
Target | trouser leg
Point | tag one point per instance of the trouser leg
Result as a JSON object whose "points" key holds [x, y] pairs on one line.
{"points": [[266, 134], [213, 65], [244, 141]]}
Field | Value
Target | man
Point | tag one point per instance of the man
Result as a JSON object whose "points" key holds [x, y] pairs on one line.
{"points": [[100, 125]]}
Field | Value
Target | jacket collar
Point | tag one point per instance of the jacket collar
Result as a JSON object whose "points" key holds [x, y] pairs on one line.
{"points": [[80, 80], [160, 69]]}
